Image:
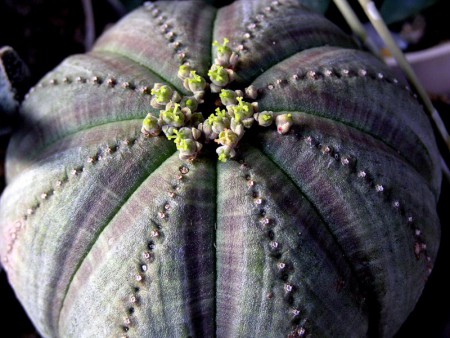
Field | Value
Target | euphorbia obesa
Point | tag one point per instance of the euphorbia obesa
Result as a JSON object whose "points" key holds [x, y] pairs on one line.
{"points": [[234, 172]]}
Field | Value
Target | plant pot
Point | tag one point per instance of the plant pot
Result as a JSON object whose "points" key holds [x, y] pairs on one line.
{"points": [[432, 67]]}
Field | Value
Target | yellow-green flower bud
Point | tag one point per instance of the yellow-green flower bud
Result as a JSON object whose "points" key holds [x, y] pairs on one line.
{"points": [[223, 52], [192, 148], [284, 123], [219, 76], [241, 111], [186, 143], [228, 138], [194, 83], [219, 121], [184, 72], [162, 93], [172, 116], [228, 97], [181, 137], [264, 118], [150, 126], [189, 102], [225, 153]]}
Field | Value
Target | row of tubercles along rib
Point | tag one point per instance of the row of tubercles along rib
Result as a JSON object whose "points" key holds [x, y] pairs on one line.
{"points": [[180, 121]]}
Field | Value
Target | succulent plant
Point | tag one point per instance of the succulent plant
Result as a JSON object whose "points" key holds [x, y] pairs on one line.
{"points": [[319, 220]]}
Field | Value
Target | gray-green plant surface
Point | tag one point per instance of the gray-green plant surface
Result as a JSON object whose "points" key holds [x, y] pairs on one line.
{"points": [[327, 230]]}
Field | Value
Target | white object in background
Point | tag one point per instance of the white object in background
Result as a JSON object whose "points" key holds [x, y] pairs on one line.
{"points": [[432, 67]]}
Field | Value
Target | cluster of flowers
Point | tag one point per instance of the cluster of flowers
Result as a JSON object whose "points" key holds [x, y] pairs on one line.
{"points": [[180, 121]]}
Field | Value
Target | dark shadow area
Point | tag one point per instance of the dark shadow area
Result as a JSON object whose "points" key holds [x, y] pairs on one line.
{"points": [[431, 317], [44, 32], [14, 321]]}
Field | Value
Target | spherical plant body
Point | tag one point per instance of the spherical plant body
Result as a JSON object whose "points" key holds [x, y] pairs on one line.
{"points": [[242, 171]]}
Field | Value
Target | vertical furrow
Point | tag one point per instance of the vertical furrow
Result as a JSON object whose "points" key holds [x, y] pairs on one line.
{"points": [[279, 269], [154, 261], [387, 231], [240, 256]]}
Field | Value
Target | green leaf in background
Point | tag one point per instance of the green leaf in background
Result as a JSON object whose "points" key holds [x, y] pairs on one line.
{"points": [[397, 10], [319, 6]]}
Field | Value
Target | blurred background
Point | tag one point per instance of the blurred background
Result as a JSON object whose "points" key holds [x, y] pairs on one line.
{"points": [[44, 32]]}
